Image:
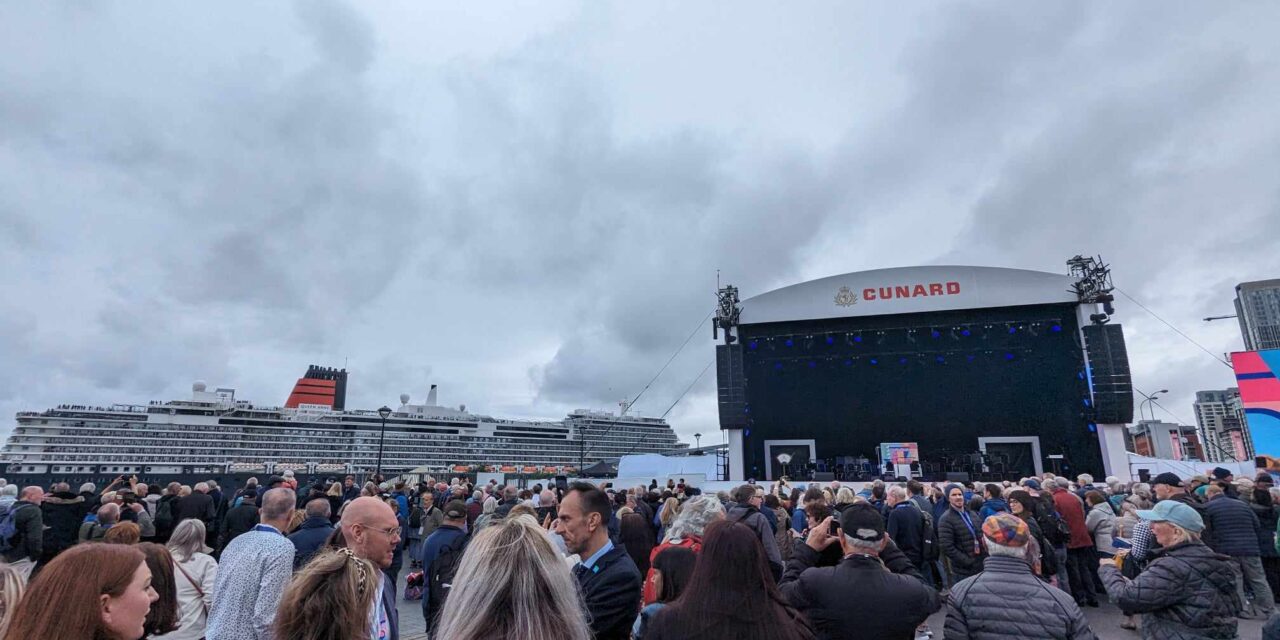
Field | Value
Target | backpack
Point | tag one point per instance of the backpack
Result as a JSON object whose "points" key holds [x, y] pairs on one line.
{"points": [[443, 570], [931, 549], [164, 514], [1056, 530], [9, 533]]}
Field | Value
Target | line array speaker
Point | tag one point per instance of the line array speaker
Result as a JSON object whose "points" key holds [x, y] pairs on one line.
{"points": [[731, 385], [1109, 370]]}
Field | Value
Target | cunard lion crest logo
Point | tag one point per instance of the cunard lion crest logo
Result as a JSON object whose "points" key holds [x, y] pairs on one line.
{"points": [[846, 298]]}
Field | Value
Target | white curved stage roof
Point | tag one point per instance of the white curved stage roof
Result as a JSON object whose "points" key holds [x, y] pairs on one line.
{"points": [[908, 290]]}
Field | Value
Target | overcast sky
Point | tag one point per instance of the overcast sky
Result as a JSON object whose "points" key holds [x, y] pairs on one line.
{"points": [[527, 203]]}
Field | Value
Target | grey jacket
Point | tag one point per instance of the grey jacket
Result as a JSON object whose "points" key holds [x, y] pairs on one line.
{"points": [[1187, 591], [758, 523], [982, 607]]}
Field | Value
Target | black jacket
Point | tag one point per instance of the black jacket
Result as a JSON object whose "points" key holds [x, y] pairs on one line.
{"points": [[63, 513], [1187, 591], [28, 538], [1007, 602], [611, 590], [239, 520], [197, 505], [955, 540], [1235, 527], [857, 598], [906, 527], [308, 539]]}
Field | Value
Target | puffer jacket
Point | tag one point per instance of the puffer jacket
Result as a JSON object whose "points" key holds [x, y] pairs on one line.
{"points": [[1187, 591], [1101, 521], [955, 540], [1235, 527], [979, 607]]}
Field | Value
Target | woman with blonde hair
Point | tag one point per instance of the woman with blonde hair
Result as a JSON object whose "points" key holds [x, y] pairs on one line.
{"points": [[194, 574], [331, 598], [12, 587], [513, 585], [669, 510]]}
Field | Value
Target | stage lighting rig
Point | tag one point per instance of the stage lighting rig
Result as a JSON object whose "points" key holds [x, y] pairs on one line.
{"points": [[727, 314], [1093, 285]]}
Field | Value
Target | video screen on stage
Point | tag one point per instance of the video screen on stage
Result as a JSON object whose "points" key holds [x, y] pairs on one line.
{"points": [[1256, 374], [946, 381]]}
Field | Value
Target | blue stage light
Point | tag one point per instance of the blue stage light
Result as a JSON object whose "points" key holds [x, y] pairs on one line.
{"points": [[1057, 328], [1008, 356], [966, 333], [857, 338], [940, 359], [1093, 428], [902, 360], [1013, 330], [790, 342], [848, 363], [1080, 375], [778, 366], [830, 340], [1087, 402], [970, 357], [874, 361], [753, 345], [812, 364], [936, 334]]}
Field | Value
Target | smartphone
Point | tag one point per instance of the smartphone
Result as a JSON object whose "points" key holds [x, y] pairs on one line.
{"points": [[834, 529]]}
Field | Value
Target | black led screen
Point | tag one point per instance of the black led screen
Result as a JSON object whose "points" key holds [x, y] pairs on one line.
{"points": [[940, 379]]}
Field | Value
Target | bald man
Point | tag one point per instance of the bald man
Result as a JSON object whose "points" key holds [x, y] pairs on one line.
{"points": [[27, 542], [252, 574], [370, 529]]}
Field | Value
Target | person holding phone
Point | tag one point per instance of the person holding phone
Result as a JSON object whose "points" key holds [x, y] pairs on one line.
{"points": [[859, 597]]}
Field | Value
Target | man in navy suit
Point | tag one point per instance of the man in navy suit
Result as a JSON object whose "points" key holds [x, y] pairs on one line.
{"points": [[609, 579]]}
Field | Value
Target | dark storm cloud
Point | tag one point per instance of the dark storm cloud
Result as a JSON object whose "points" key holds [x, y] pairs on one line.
{"points": [[537, 216]]}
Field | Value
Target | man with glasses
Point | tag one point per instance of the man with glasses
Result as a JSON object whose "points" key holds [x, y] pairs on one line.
{"points": [[747, 511], [370, 529]]}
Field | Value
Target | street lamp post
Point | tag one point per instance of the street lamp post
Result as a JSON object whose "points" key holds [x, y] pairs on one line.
{"points": [[1150, 399], [382, 436]]}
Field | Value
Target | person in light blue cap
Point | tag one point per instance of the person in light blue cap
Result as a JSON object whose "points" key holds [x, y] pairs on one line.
{"points": [[1187, 590]]}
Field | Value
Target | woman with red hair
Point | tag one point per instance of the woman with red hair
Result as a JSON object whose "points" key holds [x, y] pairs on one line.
{"points": [[90, 591]]}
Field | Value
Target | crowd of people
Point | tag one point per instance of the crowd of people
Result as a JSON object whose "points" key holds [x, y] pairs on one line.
{"points": [[1181, 558]]}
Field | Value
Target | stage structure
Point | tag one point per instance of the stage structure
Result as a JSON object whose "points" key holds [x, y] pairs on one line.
{"points": [[989, 371]]}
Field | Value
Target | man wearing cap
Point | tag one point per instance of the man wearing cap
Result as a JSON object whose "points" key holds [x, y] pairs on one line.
{"points": [[1168, 486], [1187, 590], [1236, 531], [858, 598], [449, 535], [1007, 600]]}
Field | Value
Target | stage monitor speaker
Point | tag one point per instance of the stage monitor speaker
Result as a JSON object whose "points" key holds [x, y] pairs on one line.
{"points": [[731, 384], [824, 476], [1109, 371], [957, 476]]}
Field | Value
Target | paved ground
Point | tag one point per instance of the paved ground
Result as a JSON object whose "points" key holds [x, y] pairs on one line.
{"points": [[1105, 622]]}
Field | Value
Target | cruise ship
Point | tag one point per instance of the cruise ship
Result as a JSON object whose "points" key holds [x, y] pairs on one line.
{"points": [[214, 435]]}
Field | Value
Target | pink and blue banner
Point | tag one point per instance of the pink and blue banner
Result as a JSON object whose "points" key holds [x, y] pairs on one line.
{"points": [[1256, 375]]}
